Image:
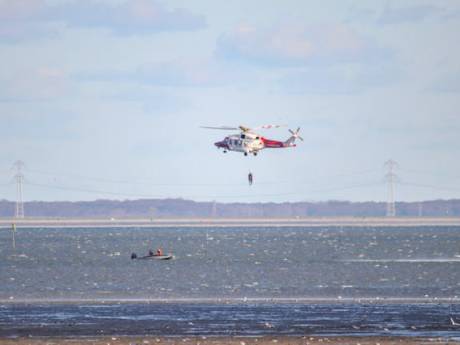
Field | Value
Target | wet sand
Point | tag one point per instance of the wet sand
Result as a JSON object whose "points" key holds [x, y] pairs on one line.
{"points": [[227, 341]]}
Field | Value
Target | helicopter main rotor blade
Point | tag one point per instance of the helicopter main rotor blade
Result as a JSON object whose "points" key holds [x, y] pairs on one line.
{"points": [[244, 128], [269, 126], [227, 128]]}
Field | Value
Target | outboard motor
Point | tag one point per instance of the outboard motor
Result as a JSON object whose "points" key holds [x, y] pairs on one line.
{"points": [[133, 256]]}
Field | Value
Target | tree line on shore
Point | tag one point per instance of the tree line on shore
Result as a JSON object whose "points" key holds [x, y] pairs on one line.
{"points": [[188, 208]]}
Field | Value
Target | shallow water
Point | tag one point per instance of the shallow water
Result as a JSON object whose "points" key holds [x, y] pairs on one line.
{"points": [[420, 320], [337, 263]]}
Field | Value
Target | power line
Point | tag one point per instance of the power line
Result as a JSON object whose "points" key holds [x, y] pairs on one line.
{"points": [[432, 173], [145, 182], [95, 191], [391, 180], [429, 186]]}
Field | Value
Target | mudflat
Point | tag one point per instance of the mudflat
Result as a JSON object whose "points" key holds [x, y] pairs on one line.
{"points": [[272, 340]]}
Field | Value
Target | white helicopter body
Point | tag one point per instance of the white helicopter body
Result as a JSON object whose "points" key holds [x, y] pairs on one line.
{"points": [[249, 142]]}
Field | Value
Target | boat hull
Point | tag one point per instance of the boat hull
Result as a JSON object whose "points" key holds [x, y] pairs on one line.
{"points": [[154, 257]]}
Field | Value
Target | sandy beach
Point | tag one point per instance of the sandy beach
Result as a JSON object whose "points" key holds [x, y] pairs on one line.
{"points": [[305, 340], [229, 222]]}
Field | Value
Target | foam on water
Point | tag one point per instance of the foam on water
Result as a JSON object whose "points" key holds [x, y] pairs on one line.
{"points": [[446, 260]]}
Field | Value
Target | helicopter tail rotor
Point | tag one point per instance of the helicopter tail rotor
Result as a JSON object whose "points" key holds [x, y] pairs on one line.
{"points": [[294, 135]]}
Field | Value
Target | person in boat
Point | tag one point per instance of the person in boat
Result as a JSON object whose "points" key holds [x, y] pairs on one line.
{"points": [[151, 252], [159, 252]]}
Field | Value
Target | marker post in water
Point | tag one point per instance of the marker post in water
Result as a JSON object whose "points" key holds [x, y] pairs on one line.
{"points": [[13, 230]]}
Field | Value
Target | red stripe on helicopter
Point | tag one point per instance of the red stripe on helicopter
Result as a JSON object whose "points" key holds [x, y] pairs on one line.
{"points": [[272, 143]]}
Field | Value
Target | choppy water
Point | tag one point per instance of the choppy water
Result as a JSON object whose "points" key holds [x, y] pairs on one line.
{"points": [[338, 263], [92, 268]]}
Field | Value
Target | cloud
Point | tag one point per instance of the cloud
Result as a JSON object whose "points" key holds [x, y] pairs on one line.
{"points": [[167, 74], [391, 15], [24, 19], [21, 19], [38, 84], [396, 15], [297, 45], [312, 59], [448, 83], [343, 79]]}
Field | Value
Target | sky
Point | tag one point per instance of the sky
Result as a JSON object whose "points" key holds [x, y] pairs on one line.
{"points": [[105, 99]]}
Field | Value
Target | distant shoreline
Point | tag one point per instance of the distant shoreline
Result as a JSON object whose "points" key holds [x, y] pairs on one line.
{"points": [[229, 222]]}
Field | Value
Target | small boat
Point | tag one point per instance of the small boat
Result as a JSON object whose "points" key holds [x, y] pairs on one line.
{"points": [[152, 257]]}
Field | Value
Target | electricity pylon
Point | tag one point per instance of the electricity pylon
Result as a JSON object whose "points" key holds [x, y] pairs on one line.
{"points": [[391, 178], [19, 177]]}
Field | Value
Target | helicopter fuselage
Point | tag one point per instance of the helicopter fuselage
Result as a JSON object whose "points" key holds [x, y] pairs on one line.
{"points": [[247, 143]]}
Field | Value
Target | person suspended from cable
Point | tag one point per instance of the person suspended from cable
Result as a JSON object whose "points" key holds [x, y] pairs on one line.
{"points": [[250, 178]]}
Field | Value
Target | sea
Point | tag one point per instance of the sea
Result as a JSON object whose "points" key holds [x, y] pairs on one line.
{"points": [[231, 281]]}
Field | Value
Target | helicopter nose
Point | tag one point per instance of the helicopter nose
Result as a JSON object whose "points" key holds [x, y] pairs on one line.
{"points": [[222, 145]]}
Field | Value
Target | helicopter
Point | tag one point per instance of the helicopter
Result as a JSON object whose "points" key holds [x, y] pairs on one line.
{"points": [[249, 142]]}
